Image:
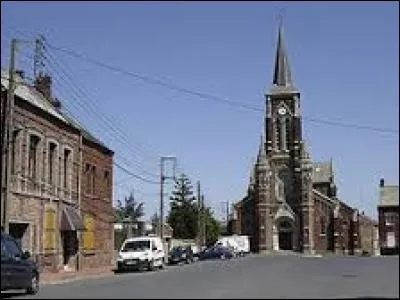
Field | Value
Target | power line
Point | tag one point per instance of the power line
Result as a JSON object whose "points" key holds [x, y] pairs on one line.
{"points": [[107, 123], [115, 163], [86, 95], [205, 96], [135, 175], [90, 101], [153, 80], [211, 97]]}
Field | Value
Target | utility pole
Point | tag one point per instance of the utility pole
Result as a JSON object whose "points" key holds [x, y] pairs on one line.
{"points": [[203, 222], [227, 213], [7, 140], [162, 200], [162, 179], [226, 209], [199, 214], [38, 62]]}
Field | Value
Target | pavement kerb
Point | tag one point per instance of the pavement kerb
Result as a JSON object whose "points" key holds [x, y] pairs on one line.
{"points": [[75, 277]]}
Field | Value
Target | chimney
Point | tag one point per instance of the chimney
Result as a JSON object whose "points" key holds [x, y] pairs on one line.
{"points": [[382, 182], [43, 85]]}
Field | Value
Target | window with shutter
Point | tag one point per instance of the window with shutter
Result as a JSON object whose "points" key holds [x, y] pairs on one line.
{"points": [[88, 234], [49, 240]]}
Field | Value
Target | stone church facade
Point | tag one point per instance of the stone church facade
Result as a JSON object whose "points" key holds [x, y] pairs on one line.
{"points": [[291, 202]]}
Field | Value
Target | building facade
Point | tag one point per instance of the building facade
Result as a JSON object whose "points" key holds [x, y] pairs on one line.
{"points": [[46, 206], [291, 202], [388, 218]]}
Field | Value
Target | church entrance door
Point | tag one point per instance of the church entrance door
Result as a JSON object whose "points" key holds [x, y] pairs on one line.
{"points": [[285, 236]]}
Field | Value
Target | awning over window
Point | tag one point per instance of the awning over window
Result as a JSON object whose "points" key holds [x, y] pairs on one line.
{"points": [[71, 219]]}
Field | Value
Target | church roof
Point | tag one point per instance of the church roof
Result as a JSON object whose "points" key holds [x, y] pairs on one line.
{"points": [[282, 77], [282, 74]]}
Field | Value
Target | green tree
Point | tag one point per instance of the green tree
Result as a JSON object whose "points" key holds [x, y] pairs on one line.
{"points": [[184, 211], [213, 228], [130, 208]]}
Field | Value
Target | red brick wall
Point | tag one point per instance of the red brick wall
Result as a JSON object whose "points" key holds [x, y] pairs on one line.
{"points": [[98, 204], [29, 197], [27, 204], [323, 216]]}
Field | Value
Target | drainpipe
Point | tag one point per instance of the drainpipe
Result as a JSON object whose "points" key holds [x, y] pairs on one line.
{"points": [[79, 199]]}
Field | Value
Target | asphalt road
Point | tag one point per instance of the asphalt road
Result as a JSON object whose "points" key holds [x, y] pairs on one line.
{"points": [[249, 277]]}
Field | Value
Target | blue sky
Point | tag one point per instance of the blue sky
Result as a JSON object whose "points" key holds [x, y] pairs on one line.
{"points": [[343, 56]]}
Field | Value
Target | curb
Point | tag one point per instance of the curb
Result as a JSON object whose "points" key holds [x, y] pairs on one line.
{"points": [[76, 277]]}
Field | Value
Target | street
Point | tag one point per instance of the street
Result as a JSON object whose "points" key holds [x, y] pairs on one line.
{"points": [[249, 277]]}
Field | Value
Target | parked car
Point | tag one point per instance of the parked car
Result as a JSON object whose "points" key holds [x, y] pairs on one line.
{"points": [[217, 252], [18, 271], [141, 253], [181, 255]]}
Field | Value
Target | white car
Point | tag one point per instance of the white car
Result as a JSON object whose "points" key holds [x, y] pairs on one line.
{"points": [[141, 253]]}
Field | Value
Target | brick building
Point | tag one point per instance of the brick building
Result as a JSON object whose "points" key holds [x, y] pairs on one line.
{"points": [[388, 218], [49, 211], [291, 202]]}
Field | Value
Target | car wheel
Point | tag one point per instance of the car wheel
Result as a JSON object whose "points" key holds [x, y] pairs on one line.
{"points": [[162, 265], [151, 265], [34, 287]]}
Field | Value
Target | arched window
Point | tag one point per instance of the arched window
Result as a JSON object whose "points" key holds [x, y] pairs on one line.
{"points": [[282, 132], [277, 134], [33, 156], [288, 132], [323, 225], [282, 125]]}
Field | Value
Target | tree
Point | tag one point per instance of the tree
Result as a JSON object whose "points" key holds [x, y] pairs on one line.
{"points": [[213, 228], [183, 213], [129, 209]]}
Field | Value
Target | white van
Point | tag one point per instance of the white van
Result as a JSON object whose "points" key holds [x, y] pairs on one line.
{"points": [[239, 243], [146, 252], [243, 244]]}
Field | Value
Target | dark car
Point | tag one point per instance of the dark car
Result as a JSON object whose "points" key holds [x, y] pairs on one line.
{"points": [[217, 252], [180, 255], [18, 271]]}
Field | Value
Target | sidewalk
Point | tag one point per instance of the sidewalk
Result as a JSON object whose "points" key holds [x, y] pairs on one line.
{"points": [[67, 276]]}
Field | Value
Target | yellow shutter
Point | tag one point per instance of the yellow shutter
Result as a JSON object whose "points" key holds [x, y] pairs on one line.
{"points": [[49, 239], [88, 234]]}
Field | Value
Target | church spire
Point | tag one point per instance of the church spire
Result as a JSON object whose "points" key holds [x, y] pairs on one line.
{"points": [[282, 75]]}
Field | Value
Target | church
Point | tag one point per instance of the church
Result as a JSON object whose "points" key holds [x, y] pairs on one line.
{"points": [[291, 202]]}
